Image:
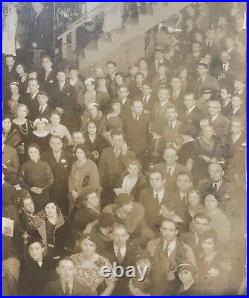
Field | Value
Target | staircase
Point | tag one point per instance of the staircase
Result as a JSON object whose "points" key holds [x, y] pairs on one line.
{"points": [[109, 48]]}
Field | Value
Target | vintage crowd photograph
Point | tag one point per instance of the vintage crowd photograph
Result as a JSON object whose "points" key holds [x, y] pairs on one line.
{"points": [[124, 148]]}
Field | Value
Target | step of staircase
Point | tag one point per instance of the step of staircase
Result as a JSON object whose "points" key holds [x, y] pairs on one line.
{"points": [[161, 12]]}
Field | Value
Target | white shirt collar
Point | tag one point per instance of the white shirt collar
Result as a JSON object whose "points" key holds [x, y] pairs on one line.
{"points": [[171, 246], [160, 194], [215, 117], [70, 284], [122, 250], [218, 184]]}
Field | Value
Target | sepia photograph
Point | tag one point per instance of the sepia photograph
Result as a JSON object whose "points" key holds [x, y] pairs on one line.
{"points": [[124, 148]]}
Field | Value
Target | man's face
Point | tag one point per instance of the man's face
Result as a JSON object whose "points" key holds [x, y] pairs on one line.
{"points": [[189, 101], [42, 100], [163, 95], [236, 102], [201, 70], [117, 141], [137, 107], [134, 70], [78, 138], [236, 127], [36, 251], [120, 237], [33, 86], [110, 69], [229, 43], [127, 208], [223, 94], [28, 206], [168, 231], [66, 270], [46, 63], [216, 172], [170, 156], [56, 144], [146, 90], [61, 77], [123, 93], [238, 85], [201, 225], [171, 114], [73, 74], [214, 108], [158, 55], [156, 181], [184, 183], [10, 61]]}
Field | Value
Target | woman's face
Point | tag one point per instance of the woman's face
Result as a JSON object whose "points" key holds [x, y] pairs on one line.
{"points": [[208, 245], [193, 199], [34, 153], [41, 125], [28, 206], [14, 89], [116, 107], [55, 119], [133, 170], [93, 200], [21, 112], [87, 247], [80, 155], [6, 124], [51, 210], [143, 65], [91, 128], [19, 69], [210, 202]]}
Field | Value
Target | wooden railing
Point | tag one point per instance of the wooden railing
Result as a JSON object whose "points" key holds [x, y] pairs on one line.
{"points": [[68, 38]]}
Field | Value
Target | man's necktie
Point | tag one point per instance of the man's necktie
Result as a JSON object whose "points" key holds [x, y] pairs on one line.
{"points": [[157, 199], [67, 289], [215, 187], [171, 126], [119, 256]]}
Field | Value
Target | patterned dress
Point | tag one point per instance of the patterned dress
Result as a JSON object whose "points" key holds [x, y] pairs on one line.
{"points": [[92, 276]]}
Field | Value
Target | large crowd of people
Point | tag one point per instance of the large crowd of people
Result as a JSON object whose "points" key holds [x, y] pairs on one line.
{"points": [[145, 168]]}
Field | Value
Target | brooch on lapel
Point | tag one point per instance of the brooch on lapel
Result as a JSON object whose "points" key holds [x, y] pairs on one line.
{"points": [[51, 81]]}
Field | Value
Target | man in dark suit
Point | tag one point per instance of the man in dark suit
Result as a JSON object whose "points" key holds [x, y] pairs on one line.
{"points": [[60, 162], [31, 99], [155, 200], [225, 94], [170, 168], [67, 284], [147, 98], [42, 110], [217, 186], [177, 93], [113, 162], [125, 101], [10, 162], [111, 69], [219, 122], [40, 28], [237, 107], [136, 125], [65, 101], [47, 77], [124, 254], [205, 80], [9, 75], [157, 59], [180, 198], [192, 59], [173, 127], [201, 224], [192, 115]]}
